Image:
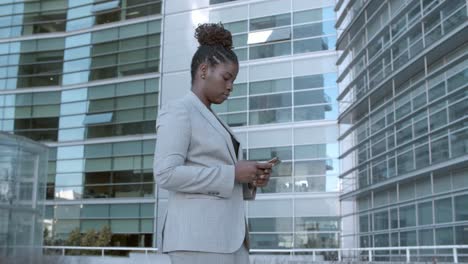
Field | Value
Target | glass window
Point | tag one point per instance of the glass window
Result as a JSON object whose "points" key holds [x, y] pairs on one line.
{"points": [[315, 151], [315, 81], [314, 29], [271, 241], [269, 36], [270, 22], [97, 118], [444, 236], [270, 50], [422, 156], [236, 27], [66, 226], [314, 167], [95, 225], [315, 96], [283, 153], [381, 220], [98, 165], [125, 226], [439, 150], [408, 238], [318, 112], [270, 101], [277, 224], [443, 210], [127, 148], [407, 216], [405, 162], [315, 44], [461, 233], [313, 15], [240, 40], [316, 224], [425, 213], [461, 207], [98, 150], [95, 211], [147, 210], [426, 237], [364, 223], [394, 218], [67, 211], [125, 210], [317, 240], [270, 86]]}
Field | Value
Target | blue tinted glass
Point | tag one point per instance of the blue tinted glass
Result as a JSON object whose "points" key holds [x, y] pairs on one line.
{"points": [[78, 40]]}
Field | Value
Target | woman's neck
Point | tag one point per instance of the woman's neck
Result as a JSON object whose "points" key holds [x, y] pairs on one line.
{"points": [[203, 99]]}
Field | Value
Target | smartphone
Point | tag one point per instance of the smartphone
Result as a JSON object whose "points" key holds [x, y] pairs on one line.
{"points": [[274, 161]]}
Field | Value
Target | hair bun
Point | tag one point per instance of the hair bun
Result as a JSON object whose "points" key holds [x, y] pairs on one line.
{"points": [[213, 34]]}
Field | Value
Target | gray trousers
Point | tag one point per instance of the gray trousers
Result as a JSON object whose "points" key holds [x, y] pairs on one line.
{"points": [[241, 256]]}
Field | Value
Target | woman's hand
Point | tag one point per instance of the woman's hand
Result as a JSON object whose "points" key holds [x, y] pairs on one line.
{"points": [[253, 172]]}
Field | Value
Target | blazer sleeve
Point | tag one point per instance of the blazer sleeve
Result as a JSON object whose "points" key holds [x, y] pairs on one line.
{"points": [[173, 131]]}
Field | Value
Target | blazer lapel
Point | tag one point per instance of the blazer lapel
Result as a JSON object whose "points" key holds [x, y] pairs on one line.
{"points": [[226, 126], [213, 121]]}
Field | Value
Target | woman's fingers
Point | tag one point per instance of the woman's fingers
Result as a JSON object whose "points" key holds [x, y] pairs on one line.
{"points": [[264, 165]]}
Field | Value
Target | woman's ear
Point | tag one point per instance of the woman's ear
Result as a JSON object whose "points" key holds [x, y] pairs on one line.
{"points": [[202, 69]]}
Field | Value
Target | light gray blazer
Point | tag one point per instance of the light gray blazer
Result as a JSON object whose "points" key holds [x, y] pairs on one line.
{"points": [[194, 160]]}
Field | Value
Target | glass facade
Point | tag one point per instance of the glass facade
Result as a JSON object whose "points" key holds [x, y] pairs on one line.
{"points": [[402, 77], [83, 78], [87, 78], [23, 177]]}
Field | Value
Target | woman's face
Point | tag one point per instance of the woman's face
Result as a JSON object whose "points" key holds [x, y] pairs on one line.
{"points": [[218, 82]]}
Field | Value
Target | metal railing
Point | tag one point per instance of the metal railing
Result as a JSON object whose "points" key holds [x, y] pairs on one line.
{"points": [[331, 254]]}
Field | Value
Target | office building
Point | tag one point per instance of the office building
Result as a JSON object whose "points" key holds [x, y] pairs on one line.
{"points": [[87, 79], [402, 78]]}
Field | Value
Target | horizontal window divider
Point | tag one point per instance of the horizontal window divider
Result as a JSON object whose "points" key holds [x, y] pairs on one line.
{"points": [[233, 112], [268, 109], [314, 37], [111, 184], [114, 218], [314, 88], [312, 21], [334, 175], [308, 105], [271, 232], [335, 232], [268, 94]]}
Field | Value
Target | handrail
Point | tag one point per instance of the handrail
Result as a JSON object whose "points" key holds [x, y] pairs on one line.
{"points": [[341, 252]]}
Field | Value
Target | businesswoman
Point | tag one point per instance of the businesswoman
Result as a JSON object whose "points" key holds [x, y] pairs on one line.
{"points": [[198, 159]]}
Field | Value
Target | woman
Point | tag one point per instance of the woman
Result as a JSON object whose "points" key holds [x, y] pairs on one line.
{"points": [[199, 161]]}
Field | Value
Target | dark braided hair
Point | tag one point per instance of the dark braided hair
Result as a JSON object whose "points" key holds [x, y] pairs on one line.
{"points": [[215, 46]]}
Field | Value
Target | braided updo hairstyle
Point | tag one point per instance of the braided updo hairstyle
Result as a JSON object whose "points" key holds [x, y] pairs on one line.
{"points": [[215, 46]]}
